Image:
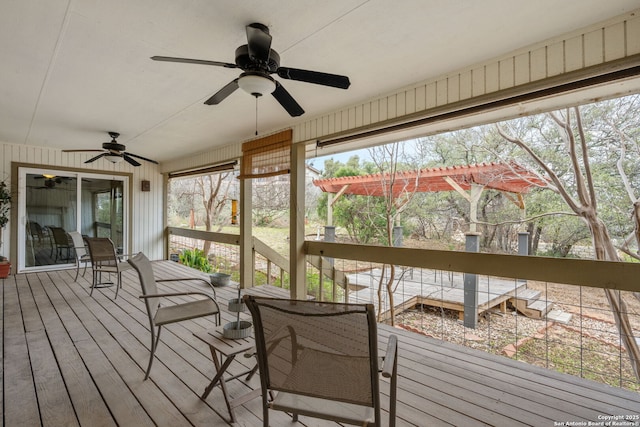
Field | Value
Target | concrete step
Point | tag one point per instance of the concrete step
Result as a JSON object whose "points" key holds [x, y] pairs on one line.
{"points": [[528, 295], [557, 315], [542, 306]]}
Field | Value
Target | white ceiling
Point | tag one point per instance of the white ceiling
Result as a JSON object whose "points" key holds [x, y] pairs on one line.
{"points": [[71, 70]]}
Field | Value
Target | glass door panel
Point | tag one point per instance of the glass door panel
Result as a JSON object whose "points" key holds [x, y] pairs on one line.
{"points": [[50, 211], [102, 209], [52, 203]]}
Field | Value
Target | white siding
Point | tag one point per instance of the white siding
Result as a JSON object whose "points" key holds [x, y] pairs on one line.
{"points": [[609, 41], [146, 207], [210, 157]]}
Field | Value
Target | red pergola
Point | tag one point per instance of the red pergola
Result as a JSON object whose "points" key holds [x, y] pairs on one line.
{"points": [[509, 177]]}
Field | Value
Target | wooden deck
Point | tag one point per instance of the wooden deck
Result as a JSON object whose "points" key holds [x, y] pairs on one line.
{"points": [[433, 288], [71, 359]]}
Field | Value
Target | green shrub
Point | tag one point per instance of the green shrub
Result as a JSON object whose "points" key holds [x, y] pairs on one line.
{"points": [[195, 258]]}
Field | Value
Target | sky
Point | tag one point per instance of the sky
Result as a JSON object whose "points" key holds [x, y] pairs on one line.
{"points": [[318, 162]]}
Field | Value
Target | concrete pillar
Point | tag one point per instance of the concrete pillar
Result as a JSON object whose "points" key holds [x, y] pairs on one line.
{"points": [[397, 236], [523, 247], [472, 244], [523, 243], [329, 208], [329, 233], [330, 236]]}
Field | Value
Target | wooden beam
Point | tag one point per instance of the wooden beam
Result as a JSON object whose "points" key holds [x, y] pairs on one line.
{"points": [[582, 272], [457, 187], [339, 193]]}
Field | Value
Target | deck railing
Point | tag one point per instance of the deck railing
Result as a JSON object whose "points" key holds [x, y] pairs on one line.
{"points": [[545, 311]]}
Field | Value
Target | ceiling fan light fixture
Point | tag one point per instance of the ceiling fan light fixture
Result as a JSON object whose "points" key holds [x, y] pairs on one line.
{"points": [[256, 85], [113, 158]]}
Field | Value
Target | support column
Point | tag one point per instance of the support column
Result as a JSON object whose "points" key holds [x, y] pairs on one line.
{"points": [[397, 236], [523, 243], [523, 247], [474, 197], [247, 271], [472, 244], [329, 233], [297, 262], [329, 208]]}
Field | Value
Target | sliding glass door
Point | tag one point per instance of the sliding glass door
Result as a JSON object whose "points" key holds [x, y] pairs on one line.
{"points": [[53, 202]]}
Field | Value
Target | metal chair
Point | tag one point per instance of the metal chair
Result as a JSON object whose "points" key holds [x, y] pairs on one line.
{"points": [[62, 242], [322, 360], [105, 259], [81, 251], [160, 316]]}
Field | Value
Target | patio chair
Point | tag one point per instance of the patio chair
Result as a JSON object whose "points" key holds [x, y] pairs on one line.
{"points": [[105, 259], [159, 315], [35, 231], [62, 242], [322, 360], [82, 254]]}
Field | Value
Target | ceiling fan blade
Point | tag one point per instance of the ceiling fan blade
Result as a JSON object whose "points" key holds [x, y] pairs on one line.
{"points": [[259, 42], [325, 79], [219, 96], [93, 159], [81, 151], [129, 160], [286, 100], [140, 157], [194, 61]]}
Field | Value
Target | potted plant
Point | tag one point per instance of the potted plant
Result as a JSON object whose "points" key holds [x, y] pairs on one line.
{"points": [[5, 205]]}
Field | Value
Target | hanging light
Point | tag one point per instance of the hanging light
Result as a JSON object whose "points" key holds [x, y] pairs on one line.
{"points": [[113, 158], [256, 84]]}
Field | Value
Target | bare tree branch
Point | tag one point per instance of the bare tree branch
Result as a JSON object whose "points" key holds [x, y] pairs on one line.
{"points": [[552, 175]]}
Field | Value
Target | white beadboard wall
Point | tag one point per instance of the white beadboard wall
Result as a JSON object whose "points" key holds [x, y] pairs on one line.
{"points": [[146, 207], [612, 40], [615, 39], [205, 158]]}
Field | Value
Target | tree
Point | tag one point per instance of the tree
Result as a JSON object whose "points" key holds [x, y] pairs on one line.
{"points": [[213, 191], [396, 196], [202, 197], [270, 199], [578, 190]]}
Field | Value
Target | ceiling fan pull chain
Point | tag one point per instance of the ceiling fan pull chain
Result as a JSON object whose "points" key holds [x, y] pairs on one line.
{"points": [[256, 116]]}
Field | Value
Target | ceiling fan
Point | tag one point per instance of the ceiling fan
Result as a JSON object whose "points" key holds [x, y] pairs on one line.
{"points": [[258, 61], [50, 181], [114, 152]]}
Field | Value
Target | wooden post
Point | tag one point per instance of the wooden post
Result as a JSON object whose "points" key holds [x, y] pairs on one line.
{"points": [[247, 269], [297, 273]]}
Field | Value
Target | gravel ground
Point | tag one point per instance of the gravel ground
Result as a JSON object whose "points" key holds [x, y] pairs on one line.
{"points": [[588, 346]]}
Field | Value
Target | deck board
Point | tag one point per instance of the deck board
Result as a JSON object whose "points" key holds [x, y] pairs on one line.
{"points": [[429, 287], [73, 359]]}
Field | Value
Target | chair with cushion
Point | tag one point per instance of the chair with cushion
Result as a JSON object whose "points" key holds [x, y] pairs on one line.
{"points": [[321, 360], [82, 254], [105, 259], [177, 312]]}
